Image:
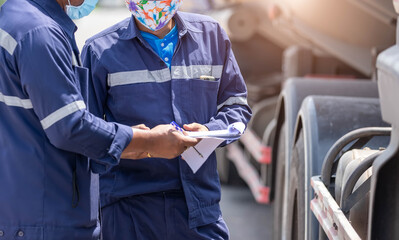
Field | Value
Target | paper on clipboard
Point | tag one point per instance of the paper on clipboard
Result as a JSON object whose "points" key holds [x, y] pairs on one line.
{"points": [[234, 131], [196, 156]]}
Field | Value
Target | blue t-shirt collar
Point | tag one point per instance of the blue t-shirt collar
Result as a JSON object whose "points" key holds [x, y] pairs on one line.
{"points": [[167, 37]]}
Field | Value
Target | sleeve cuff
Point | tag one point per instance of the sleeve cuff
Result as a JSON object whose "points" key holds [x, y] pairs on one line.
{"points": [[123, 136]]}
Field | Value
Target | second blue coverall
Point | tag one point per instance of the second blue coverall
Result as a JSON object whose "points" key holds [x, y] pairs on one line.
{"points": [[131, 84]]}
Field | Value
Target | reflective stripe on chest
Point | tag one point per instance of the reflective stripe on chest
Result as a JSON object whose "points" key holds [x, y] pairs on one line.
{"points": [[164, 75]]}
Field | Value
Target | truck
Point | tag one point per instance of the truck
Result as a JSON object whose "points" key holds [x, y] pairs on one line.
{"points": [[323, 151]]}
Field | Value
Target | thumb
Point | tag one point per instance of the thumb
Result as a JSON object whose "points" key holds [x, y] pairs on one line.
{"points": [[189, 141], [192, 126]]}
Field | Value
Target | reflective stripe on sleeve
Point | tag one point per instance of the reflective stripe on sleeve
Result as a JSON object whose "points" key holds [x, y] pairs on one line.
{"points": [[62, 113], [233, 101], [16, 101], [196, 71], [7, 42], [141, 76]]}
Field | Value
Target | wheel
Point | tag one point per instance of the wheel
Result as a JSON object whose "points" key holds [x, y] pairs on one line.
{"points": [[279, 186], [295, 224]]}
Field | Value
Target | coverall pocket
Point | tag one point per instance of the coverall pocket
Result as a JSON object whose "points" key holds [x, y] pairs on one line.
{"points": [[140, 103], [203, 98]]}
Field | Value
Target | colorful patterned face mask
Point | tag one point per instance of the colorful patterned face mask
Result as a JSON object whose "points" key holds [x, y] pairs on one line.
{"points": [[153, 14]]}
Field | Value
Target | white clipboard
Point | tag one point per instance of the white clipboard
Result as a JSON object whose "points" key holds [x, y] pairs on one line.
{"points": [[197, 155]]}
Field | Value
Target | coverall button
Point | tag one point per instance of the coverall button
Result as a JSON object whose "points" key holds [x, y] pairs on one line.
{"points": [[166, 59], [162, 44], [20, 233], [1, 233]]}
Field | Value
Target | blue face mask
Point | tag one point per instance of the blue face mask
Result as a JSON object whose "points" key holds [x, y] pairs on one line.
{"points": [[76, 12]]}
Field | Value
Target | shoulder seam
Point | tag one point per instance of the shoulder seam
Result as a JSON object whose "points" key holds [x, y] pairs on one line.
{"points": [[46, 27], [102, 34]]}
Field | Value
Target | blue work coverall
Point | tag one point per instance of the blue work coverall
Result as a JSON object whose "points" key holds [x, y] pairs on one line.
{"points": [[131, 84], [48, 190]]}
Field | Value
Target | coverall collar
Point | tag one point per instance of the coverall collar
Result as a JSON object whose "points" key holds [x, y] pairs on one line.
{"points": [[183, 27], [54, 10]]}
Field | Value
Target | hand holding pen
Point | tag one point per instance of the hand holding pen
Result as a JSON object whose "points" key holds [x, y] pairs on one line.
{"points": [[191, 127], [162, 141]]}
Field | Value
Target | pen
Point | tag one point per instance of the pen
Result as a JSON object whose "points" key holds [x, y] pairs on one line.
{"points": [[173, 123], [198, 152]]}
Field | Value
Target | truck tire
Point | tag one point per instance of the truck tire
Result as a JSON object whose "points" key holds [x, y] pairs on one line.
{"points": [[296, 188], [322, 120], [279, 186]]}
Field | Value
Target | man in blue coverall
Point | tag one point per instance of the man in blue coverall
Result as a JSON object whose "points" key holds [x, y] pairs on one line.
{"points": [[48, 190], [173, 66]]}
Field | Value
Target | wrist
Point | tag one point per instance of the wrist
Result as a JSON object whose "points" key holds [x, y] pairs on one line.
{"points": [[141, 140]]}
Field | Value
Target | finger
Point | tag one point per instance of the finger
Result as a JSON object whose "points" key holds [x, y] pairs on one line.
{"points": [[196, 127], [189, 141], [192, 126]]}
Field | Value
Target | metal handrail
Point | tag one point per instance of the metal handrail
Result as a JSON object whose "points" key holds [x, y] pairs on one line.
{"points": [[352, 180], [339, 145]]}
